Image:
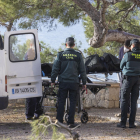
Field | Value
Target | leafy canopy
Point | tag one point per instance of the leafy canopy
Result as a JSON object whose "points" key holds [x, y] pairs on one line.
{"points": [[114, 14], [48, 54], [30, 13], [34, 12]]}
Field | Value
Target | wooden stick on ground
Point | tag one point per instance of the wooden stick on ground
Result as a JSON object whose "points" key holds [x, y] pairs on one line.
{"points": [[74, 134]]}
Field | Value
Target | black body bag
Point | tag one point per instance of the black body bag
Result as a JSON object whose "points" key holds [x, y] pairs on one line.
{"points": [[94, 63], [47, 68], [112, 62]]}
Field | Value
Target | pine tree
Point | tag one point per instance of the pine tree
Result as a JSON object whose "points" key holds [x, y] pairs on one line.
{"points": [[129, 24]]}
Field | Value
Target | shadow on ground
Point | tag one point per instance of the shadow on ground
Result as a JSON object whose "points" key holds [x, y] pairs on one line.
{"points": [[14, 127]]}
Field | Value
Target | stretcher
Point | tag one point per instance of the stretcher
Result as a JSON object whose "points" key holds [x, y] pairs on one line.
{"points": [[94, 88], [49, 91], [106, 73]]}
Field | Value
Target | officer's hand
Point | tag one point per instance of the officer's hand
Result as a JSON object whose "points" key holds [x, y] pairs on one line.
{"points": [[52, 85], [84, 87]]}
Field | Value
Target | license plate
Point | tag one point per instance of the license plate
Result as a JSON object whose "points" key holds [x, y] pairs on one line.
{"points": [[24, 90]]}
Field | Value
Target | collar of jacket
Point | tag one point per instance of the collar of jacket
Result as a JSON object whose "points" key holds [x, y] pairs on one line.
{"points": [[69, 49], [136, 49]]}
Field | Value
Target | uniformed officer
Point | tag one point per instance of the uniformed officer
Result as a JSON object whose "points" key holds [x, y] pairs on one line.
{"points": [[68, 65], [33, 107], [130, 65], [122, 51]]}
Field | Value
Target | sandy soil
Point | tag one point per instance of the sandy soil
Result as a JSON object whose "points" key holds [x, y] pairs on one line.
{"points": [[14, 127]]}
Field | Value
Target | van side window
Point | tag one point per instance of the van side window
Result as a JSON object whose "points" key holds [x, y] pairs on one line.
{"points": [[22, 47]]}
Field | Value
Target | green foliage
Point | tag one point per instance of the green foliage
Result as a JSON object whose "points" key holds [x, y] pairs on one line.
{"points": [[56, 135], [40, 129], [37, 129], [19, 51], [128, 24], [48, 54], [10, 14], [100, 51], [88, 25], [4, 138], [34, 12], [113, 16]]}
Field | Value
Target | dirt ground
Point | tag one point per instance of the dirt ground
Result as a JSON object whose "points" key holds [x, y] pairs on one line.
{"points": [[14, 127]]}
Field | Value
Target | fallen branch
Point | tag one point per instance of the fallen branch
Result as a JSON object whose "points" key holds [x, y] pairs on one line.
{"points": [[74, 135], [41, 125]]}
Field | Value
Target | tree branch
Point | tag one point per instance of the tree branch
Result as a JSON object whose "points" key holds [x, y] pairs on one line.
{"points": [[102, 12], [137, 2], [88, 8], [101, 32], [119, 36], [9, 27], [121, 11], [98, 4], [113, 35], [130, 9], [114, 1], [74, 134]]}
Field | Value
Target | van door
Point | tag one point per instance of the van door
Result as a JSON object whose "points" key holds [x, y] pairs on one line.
{"points": [[23, 66], [3, 94]]}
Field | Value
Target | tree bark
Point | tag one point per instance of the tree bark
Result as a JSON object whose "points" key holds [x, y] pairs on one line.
{"points": [[9, 27], [101, 33], [98, 18], [119, 36]]}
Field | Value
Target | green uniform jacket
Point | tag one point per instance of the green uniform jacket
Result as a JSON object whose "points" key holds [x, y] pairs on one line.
{"points": [[68, 65], [130, 64]]}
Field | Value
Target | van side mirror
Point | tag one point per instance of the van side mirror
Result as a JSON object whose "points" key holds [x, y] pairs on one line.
{"points": [[1, 43]]}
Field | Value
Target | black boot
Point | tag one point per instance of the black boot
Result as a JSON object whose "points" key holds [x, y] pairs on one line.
{"points": [[132, 126], [121, 125]]}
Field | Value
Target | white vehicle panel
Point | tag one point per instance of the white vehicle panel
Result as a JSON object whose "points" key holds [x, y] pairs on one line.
{"points": [[2, 74], [22, 72]]}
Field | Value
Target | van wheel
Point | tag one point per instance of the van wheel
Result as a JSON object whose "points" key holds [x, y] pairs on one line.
{"points": [[66, 117]]}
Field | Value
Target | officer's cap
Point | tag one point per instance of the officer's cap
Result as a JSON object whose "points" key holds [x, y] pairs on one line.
{"points": [[134, 41], [70, 40]]}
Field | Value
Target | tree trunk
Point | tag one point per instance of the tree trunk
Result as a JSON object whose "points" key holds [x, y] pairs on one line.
{"points": [[101, 32], [9, 27], [113, 35], [120, 36]]}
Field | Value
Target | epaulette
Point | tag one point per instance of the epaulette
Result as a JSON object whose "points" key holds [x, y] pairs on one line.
{"points": [[61, 52], [128, 52], [78, 51]]}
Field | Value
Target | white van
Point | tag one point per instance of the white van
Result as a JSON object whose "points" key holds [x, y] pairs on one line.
{"points": [[20, 75]]}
